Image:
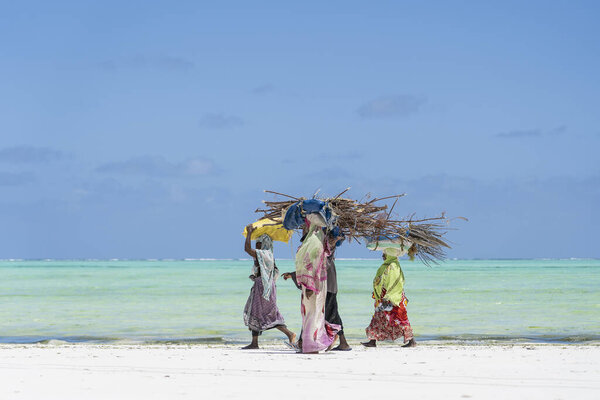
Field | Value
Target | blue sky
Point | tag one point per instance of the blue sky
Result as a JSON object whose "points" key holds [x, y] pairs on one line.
{"points": [[150, 129]]}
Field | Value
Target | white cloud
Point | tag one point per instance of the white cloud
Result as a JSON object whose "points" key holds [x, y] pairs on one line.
{"points": [[157, 166], [392, 106], [220, 121]]}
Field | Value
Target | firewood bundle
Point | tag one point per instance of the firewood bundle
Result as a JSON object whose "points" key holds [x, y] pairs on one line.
{"points": [[369, 220]]}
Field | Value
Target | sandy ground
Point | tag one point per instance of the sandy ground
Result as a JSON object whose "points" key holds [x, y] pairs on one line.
{"points": [[428, 371]]}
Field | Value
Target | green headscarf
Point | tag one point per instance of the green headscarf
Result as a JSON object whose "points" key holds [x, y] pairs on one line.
{"points": [[391, 278]]}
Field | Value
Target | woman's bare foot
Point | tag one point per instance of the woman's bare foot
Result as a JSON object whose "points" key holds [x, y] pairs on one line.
{"points": [[342, 347], [292, 339], [370, 343], [332, 343], [411, 343], [251, 346], [291, 343]]}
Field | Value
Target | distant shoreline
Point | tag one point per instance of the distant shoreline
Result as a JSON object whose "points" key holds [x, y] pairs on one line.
{"points": [[279, 258], [443, 340]]}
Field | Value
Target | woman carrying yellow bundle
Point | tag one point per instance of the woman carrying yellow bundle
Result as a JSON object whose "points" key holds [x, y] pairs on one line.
{"points": [[261, 312], [390, 320]]}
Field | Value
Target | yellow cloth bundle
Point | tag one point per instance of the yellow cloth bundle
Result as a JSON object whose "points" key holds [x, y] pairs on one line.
{"points": [[269, 227]]}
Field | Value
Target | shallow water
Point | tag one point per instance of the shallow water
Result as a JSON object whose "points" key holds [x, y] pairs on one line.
{"points": [[202, 301]]}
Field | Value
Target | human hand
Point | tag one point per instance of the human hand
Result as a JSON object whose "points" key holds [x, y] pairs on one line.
{"points": [[249, 228], [309, 293], [286, 275], [386, 305], [332, 242]]}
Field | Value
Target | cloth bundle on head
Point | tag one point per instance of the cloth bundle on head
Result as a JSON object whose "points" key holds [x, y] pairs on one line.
{"points": [[266, 263], [337, 233], [297, 212], [266, 226], [396, 247]]}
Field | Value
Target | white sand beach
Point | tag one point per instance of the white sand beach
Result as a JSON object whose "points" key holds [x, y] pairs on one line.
{"points": [[429, 371]]}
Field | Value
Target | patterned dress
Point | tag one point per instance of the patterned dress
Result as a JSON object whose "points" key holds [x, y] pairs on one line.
{"points": [[390, 325], [390, 320], [261, 314], [311, 274]]}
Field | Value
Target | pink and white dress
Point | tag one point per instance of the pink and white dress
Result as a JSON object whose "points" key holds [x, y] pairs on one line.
{"points": [[311, 274]]}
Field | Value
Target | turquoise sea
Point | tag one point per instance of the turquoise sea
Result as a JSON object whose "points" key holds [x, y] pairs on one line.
{"points": [[200, 301]]}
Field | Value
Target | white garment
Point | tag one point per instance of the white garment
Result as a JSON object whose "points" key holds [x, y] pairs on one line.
{"points": [[266, 262]]}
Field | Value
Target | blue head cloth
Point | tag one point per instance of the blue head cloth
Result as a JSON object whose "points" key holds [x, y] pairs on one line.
{"points": [[336, 232], [294, 216]]}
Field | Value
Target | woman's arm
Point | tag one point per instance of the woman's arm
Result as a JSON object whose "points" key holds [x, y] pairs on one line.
{"points": [[248, 244], [288, 275]]}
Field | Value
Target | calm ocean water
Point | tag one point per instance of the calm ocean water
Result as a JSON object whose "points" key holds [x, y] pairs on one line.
{"points": [[202, 301]]}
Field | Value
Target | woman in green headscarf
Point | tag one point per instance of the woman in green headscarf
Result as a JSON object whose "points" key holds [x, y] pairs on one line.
{"points": [[390, 320]]}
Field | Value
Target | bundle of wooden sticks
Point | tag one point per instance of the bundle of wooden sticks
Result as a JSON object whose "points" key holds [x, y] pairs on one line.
{"points": [[369, 220]]}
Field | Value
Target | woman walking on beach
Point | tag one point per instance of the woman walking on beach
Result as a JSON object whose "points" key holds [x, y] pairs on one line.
{"points": [[390, 320], [261, 312], [332, 315], [311, 275]]}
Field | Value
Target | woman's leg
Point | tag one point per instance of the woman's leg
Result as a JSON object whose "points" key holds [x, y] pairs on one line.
{"points": [[254, 344], [290, 335], [343, 343], [407, 331], [376, 329], [332, 316]]}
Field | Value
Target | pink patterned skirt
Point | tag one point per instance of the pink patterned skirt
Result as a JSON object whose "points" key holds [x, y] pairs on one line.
{"points": [[317, 334]]}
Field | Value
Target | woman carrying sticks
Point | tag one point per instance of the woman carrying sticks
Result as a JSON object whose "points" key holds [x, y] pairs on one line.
{"points": [[332, 315], [311, 275], [390, 320], [261, 312]]}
